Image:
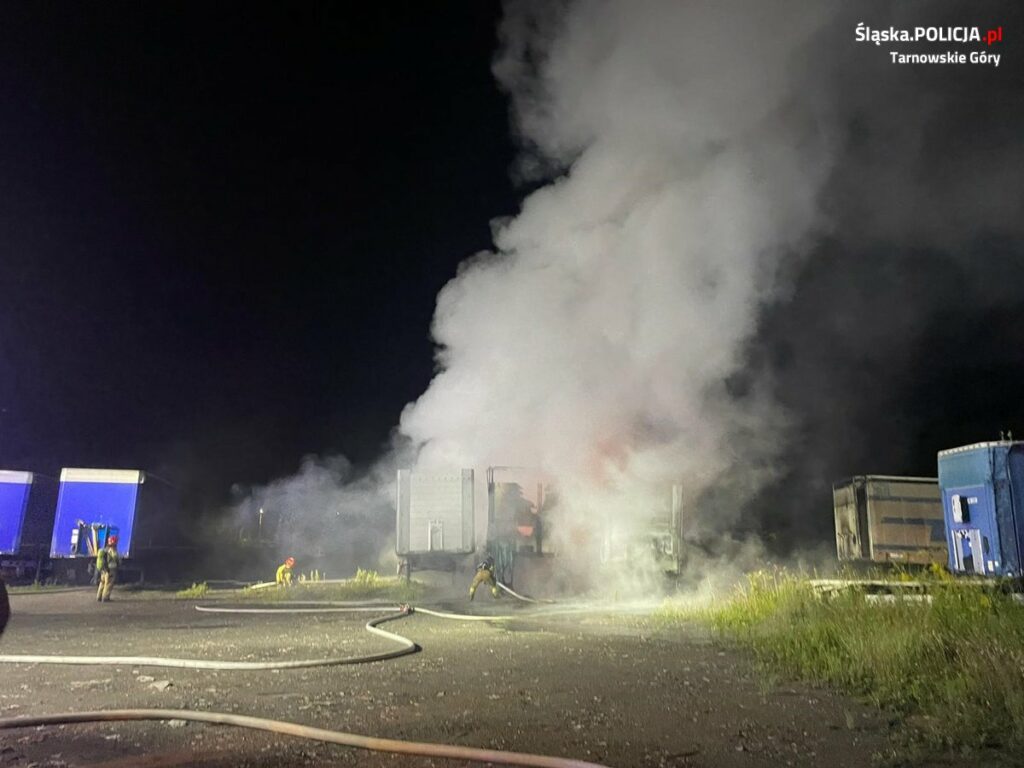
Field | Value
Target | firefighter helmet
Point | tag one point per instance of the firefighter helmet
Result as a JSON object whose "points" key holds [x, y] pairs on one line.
{"points": [[112, 540]]}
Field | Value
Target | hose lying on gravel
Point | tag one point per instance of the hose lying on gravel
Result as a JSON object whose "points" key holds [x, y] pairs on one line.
{"points": [[449, 751], [408, 647]]}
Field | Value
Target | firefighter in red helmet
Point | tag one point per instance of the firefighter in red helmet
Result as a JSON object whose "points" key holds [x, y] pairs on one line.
{"points": [[284, 573], [107, 561]]}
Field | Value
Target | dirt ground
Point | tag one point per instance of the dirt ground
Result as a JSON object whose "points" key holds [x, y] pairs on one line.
{"points": [[611, 688]]}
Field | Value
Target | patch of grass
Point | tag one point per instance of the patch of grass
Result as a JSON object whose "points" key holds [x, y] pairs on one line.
{"points": [[195, 592], [954, 665], [674, 612], [365, 585]]}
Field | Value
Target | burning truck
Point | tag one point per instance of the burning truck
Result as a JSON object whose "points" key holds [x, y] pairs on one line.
{"points": [[526, 530]]}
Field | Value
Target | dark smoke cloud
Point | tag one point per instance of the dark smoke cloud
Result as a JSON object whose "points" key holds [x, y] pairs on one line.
{"points": [[902, 333]]}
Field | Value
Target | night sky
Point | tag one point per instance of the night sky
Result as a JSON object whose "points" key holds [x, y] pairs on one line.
{"points": [[223, 228]]}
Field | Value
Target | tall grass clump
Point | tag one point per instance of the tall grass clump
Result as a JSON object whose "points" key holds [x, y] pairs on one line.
{"points": [[365, 585], [195, 592], [956, 659]]}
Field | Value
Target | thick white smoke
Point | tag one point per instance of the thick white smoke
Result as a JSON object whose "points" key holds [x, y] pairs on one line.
{"points": [[651, 316], [596, 340]]}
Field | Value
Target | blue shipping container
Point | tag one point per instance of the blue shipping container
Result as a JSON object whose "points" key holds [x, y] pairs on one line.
{"points": [[95, 502], [14, 493], [983, 504]]}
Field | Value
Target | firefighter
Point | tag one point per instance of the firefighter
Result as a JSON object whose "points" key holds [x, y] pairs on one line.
{"points": [[107, 561], [284, 573], [484, 574]]}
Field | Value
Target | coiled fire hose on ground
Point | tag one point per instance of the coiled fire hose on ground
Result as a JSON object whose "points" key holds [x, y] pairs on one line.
{"points": [[397, 746]]}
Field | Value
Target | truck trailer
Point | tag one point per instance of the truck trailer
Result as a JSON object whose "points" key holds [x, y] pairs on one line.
{"points": [[26, 514], [888, 519], [983, 502], [649, 537], [15, 488], [95, 504], [435, 519]]}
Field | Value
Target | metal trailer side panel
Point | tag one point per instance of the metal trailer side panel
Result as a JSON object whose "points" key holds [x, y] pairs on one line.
{"points": [[95, 496], [1007, 484], [1013, 537], [982, 487], [38, 524], [965, 475], [14, 493], [434, 513], [849, 542], [158, 516], [905, 520]]}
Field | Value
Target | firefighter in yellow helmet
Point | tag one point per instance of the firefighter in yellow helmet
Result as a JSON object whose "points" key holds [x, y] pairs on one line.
{"points": [[107, 561], [484, 575], [284, 573]]}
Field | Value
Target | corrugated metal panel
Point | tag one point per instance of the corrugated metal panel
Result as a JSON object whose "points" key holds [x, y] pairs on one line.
{"points": [[848, 538], [906, 520], [888, 518], [434, 512]]}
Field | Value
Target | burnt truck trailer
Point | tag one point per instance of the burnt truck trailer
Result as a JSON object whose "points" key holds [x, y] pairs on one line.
{"points": [[651, 537], [888, 519], [519, 499], [435, 516], [522, 506], [95, 504]]}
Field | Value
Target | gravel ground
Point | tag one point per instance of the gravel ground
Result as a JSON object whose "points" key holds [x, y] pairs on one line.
{"points": [[610, 688]]}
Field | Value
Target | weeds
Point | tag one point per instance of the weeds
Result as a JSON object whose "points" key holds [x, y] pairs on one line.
{"points": [[365, 585], [956, 662], [195, 592]]}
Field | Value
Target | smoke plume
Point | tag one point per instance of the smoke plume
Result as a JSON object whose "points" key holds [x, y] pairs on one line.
{"points": [[703, 160], [750, 237], [598, 339]]}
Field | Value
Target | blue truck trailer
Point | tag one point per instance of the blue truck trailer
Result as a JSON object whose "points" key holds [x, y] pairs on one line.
{"points": [[26, 514], [14, 493], [94, 504], [983, 502]]}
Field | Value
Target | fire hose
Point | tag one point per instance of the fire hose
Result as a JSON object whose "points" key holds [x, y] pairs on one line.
{"points": [[524, 598], [425, 749], [408, 647], [276, 726]]}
